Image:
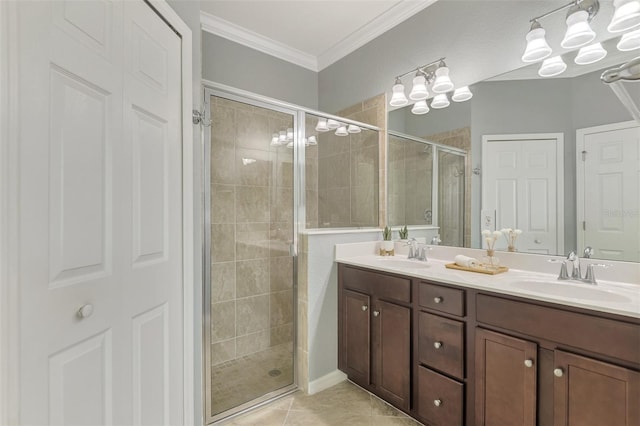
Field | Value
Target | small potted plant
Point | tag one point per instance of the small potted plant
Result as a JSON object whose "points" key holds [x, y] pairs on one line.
{"points": [[387, 244], [403, 233]]}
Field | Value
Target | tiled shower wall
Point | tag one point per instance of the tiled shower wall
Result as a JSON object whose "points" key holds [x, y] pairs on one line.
{"points": [[251, 229]]}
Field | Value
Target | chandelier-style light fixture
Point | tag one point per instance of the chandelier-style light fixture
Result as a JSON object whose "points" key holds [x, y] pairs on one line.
{"points": [[430, 81], [579, 34]]}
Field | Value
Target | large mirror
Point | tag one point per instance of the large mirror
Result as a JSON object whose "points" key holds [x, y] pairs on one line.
{"points": [[555, 157]]}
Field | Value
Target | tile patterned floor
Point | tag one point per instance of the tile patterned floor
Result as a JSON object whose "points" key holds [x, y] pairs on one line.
{"points": [[243, 379], [343, 404]]}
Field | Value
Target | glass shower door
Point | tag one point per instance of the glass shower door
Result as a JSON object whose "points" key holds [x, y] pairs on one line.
{"points": [[249, 272], [451, 197]]}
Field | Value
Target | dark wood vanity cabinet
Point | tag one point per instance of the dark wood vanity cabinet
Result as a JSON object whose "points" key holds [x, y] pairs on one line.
{"points": [[458, 356], [374, 328]]}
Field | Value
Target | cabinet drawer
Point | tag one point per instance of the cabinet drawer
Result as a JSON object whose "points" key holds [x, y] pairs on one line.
{"points": [[443, 299], [610, 337], [441, 344], [440, 399], [383, 286]]}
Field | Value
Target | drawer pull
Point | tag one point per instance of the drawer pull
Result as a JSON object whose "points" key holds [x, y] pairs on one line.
{"points": [[437, 345], [437, 402], [558, 372], [528, 363], [364, 307], [376, 313], [438, 299]]}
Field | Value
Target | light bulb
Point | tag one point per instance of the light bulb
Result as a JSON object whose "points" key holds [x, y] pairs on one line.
{"points": [[420, 107], [443, 83], [398, 98], [625, 17], [462, 94], [629, 41], [537, 46], [578, 32], [419, 90], [440, 101], [590, 54], [552, 67]]}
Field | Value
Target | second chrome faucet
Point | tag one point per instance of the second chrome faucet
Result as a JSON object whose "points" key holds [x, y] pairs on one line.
{"points": [[576, 271]]}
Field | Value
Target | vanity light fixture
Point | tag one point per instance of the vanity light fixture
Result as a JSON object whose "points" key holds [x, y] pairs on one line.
{"points": [[626, 16], [352, 128], [342, 130], [579, 32], [552, 67], [333, 124], [434, 74], [322, 125], [537, 46], [282, 137], [289, 134], [312, 140], [590, 54], [629, 41], [275, 139]]}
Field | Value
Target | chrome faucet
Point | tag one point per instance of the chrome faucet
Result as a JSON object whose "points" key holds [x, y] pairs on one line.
{"points": [[415, 251], [576, 273], [436, 240]]}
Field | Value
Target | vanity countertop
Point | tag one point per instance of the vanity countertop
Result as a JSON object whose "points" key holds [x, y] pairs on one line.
{"points": [[622, 298]]}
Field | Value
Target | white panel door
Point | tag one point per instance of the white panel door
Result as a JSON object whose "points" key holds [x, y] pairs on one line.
{"points": [[520, 183], [608, 205], [100, 215]]}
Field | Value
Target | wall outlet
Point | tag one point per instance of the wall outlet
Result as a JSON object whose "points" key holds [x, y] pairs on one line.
{"points": [[488, 220]]}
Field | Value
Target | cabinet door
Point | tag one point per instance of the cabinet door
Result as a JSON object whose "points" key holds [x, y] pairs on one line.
{"points": [[356, 332], [392, 331], [589, 392], [505, 380]]}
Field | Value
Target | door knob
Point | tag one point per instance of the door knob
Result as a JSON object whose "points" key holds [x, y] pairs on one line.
{"points": [[376, 313], [558, 372], [528, 363], [437, 299], [437, 345], [437, 402], [537, 241], [364, 307], [85, 311]]}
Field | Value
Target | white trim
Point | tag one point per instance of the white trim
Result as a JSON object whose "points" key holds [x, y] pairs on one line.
{"points": [[559, 137], [580, 172], [178, 24], [326, 381], [9, 294], [220, 27], [381, 24], [363, 35]]}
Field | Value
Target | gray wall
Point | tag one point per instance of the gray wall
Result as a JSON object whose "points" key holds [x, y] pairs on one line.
{"points": [[233, 64]]}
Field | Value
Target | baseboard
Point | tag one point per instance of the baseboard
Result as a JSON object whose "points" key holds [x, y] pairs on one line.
{"points": [[326, 381]]}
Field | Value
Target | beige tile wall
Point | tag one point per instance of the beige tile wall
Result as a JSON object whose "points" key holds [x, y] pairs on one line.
{"points": [[251, 229]]}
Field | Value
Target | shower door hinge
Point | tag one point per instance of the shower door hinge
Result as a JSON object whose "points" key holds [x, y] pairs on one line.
{"points": [[199, 117]]}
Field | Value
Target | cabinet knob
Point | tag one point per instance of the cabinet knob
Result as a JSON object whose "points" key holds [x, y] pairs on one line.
{"points": [[85, 311], [376, 313], [437, 345], [437, 402], [528, 363], [437, 299], [365, 307], [558, 372]]}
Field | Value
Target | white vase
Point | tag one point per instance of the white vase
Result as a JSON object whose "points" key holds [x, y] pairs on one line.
{"points": [[387, 245]]}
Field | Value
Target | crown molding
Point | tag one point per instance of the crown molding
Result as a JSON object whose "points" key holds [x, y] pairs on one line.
{"points": [[220, 27], [381, 24]]}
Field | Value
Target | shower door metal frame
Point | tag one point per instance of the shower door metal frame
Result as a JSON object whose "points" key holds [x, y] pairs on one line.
{"points": [[298, 207]]}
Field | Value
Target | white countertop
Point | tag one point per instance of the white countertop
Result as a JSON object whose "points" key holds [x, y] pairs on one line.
{"points": [[616, 297]]}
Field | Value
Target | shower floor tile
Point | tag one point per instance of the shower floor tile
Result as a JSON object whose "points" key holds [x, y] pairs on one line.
{"points": [[243, 379]]}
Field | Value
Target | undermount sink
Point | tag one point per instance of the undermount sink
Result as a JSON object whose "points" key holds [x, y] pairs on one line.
{"points": [[570, 290], [403, 262]]}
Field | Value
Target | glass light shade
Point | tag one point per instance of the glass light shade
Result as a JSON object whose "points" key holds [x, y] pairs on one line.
{"points": [[578, 32], [353, 129], [419, 90], [629, 41], [333, 124], [443, 83], [420, 107], [289, 134], [626, 16], [552, 67], [342, 131], [275, 139], [322, 125], [312, 140], [590, 54], [537, 46], [398, 98], [283, 136], [440, 101], [462, 94]]}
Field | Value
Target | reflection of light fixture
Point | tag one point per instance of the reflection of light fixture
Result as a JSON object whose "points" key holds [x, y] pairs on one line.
{"points": [[629, 41], [552, 67], [275, 140], [537, 46], [333, 124], [626, 16], [440, 101], [578, 32], [312, 140], [342, 131], [247, 161], [462, 94], [289, 134], [322, 125], [353, 129], [443, 83], [590, 54], [398, 99], [290, 144], [420, 107], [283, 136], [419, 90]]}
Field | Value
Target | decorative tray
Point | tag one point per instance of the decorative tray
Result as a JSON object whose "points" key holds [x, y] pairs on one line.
{"points": [[482, 269]]}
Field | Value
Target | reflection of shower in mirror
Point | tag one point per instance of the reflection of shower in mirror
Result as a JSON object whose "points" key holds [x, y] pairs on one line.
{"points": [[458, 172]]}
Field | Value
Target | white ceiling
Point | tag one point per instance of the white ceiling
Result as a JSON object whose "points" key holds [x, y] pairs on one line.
{"points": [[310, 33]]}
